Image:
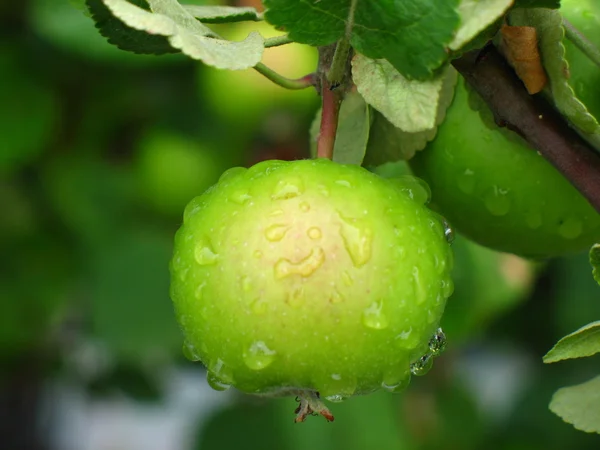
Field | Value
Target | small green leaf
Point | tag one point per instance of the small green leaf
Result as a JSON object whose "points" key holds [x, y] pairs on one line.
{"points": [[551, 34], [579, 344], [352, 134], [411, 34], [223, 14], [595, 261], [409, 105], [388, 143], [579, 405], [476, 16], [182, 31]]}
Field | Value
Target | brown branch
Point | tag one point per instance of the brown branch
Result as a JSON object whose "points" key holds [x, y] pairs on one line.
{"points": [[533, 118]]}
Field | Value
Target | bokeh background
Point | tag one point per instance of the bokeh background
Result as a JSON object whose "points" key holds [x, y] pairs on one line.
{"points": [[99, 152]]}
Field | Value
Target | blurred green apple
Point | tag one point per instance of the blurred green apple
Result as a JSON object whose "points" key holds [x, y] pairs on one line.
{"points": [[173, 168]]}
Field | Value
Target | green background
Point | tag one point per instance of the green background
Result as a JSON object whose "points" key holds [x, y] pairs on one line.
{"points": [[99, 151]]}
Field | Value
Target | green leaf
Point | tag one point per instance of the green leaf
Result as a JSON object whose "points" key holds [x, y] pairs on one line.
{"points": [[222, 14], [554, 4], [475, 17], [409, 105], [169, 19], [595, 261], [352, 134], [412, 34], [579, 405], [551, 35], [579, 344], [388, 143]]}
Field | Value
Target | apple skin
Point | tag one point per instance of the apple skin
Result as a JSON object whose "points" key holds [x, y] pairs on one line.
{"points": [[282, 283], [244, 97], [493, 188], [172, 168]]}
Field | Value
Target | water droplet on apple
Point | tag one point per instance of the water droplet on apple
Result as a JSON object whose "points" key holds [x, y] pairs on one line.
{"points": [[189, 351], [304, 207], [305, 267], [437, 343], [231, 173], [570, 228], [216, 383], [288, 188], [447, 287], [422, 365], [466, 181], [240, 197], [336, 297], [344, 183], [258, 356], [534, 220], [246, 284], [296, 296], [358, 240], [497, 201], [347, 278], [314, 233], [204, 255], [259, 306], [374, 317], [276, 232], [199, 293]]}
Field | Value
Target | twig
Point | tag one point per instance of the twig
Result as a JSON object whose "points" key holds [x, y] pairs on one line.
{"points": [[581, 42], [533, 118], [288, 83], [277, 41]]}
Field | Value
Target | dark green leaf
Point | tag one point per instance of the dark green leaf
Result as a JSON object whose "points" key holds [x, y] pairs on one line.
{"points": [[222, 14], [412, 35], [595, 262], [537, 4]]}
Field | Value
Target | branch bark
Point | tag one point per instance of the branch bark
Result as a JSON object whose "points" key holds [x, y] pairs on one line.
{"points": [[533, 118]]}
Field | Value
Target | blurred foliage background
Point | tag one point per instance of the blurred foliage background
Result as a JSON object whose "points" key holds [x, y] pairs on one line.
{"points": [[99, 152]]}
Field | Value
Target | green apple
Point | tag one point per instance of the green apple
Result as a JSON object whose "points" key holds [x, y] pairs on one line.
{"points": [[497, 191], [310, 277], [172, 169]]}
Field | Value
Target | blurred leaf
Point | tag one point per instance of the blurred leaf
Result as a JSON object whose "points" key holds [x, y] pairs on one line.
{"points": [[29, 112], [352, 133], [595, 262], [168, 27], [410, 105], [131, 311], [579, 344], [394, 169], [579, 405], [130, 379], [222, 14]]}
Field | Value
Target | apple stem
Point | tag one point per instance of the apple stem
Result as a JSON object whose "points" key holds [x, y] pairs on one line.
{"points": [[310, 403], [287, 83], [582, 43], [277, 41], [533, 118], [329, 122]]}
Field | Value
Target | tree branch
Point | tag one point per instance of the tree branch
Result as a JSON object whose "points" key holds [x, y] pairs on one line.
{"points": [[533, 118]]}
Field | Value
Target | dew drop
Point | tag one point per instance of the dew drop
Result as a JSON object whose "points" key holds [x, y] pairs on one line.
{"points": [[231, 173], [417, 189], [189, 351], [373, 317], [304, 207], [216, 383], [204, 255], [437, 343], [347, 278], [314, 233], [336, 297], [534, 220], [246, 284], [277, 212], [323, 190], [199, 293], [420, 291], [335, 398], [276, 232], [358, 240], [240, 197], [466, 181], [221, 372], [497, 201], [447, 287], [259, 306], [258, 254], [422, 365], [570, 228], [296, 296], [287, 189], [397, 385], [344, 183], [448, 232], [259, 356], [305, 267]]}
